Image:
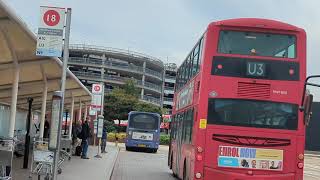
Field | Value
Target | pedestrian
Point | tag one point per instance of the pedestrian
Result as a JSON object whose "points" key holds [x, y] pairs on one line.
{"points": [[84, 135], [76, 130], [104, 140], [46, 130]]}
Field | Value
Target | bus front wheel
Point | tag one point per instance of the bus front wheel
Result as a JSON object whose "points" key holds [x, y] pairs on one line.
{"points": [[185, 173], [155, 150], [171, 161]]}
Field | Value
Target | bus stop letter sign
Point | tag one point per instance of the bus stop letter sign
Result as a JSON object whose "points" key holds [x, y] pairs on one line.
{"points": [[203, 124]]}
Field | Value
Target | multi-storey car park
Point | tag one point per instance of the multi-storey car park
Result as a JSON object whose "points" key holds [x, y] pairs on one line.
{"points": [[169, 82], [94, 64]]}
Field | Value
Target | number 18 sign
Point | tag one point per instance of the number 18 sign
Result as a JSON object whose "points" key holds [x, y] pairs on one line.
{"points": [[50, 31]]}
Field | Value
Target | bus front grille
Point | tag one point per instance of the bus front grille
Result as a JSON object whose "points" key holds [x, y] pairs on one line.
{"points": [[253, 90]]}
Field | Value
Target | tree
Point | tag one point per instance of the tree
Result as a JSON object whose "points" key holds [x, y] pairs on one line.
{"points": [[146, 107], [123, 100], [130, 88]]}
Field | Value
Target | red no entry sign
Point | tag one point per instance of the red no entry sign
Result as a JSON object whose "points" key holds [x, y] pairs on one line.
{"points": [[97, 88], [51, 18]]}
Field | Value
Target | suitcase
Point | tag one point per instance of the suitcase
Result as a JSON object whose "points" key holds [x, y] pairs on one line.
{"points": [[78, 151]]}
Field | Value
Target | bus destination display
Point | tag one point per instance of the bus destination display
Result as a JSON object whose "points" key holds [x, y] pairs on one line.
{"points": [[257, 69]]}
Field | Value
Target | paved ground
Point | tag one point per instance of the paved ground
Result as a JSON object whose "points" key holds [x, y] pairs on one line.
{"points": [[312, 167], [142, 165], [77, 168]]}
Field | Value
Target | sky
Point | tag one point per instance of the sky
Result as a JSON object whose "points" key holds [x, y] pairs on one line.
{"points": [[168, 29]]}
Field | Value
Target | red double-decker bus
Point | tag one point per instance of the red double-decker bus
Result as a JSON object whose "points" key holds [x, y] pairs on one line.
{"points": [[236, 113]]}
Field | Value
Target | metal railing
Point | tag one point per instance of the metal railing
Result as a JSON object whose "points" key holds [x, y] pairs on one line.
{"points": [[150, 85], [151, 99], [124, 66], [113, 64], [170, 77], [154, 73], [167, 99], [171, 67], [169, 88], [115, 50], [86, 74], [119, 79], [85, 60]]}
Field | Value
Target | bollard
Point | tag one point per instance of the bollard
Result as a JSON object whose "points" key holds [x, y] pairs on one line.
{"points": [[116, 143]]}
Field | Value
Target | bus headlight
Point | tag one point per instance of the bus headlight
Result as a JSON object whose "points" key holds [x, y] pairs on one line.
{"points": [[130, 132], [301, 157]]}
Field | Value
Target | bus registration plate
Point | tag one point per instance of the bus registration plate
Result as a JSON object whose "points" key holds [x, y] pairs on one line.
{"points": [[141, 145], [142, 136]]}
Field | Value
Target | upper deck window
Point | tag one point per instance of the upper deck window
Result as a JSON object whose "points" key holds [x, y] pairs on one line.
{"points": [[257, 44]]}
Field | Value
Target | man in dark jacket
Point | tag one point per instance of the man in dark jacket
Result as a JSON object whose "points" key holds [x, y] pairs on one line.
{"points": [[84, 135], [104, 140]]}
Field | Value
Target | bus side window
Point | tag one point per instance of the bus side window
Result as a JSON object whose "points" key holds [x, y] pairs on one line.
{"points": [[181, 127], [191, 125], [184, 126], [188, 122], [177, 124], [173, 127]]}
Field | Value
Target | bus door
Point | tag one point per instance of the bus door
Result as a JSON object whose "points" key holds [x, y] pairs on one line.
{"points": [[171, 130], [179, 141]]}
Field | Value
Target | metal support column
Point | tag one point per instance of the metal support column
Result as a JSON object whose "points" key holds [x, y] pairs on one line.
{"points": [[143, 79], [71, 117], [63, 87], [43, 108], [85, 112], [80, 113], [102, 94], [162, 89], [66, 123], [27, 138], [14, 97]]}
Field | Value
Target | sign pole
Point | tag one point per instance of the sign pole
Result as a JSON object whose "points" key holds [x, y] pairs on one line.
{"points": [[97, 102], [95, 126], [99, 134], [63, 86]]}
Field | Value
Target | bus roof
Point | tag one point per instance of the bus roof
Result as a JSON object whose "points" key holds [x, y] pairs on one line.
{"points": [[136, 112], [258, 23]]}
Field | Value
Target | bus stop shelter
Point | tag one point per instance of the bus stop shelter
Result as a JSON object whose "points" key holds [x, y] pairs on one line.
{"points": [[24, 75]]}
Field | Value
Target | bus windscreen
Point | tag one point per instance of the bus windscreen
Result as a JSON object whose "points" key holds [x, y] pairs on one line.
{"points": [[252, 113], [258, 44], [144, 121]]}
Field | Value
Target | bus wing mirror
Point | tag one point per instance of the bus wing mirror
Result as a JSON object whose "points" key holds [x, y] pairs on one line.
{"points": [[307, 98], [308, 108]]}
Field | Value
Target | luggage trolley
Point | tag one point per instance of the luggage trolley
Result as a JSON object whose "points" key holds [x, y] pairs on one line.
{"points": [[19, 142], [66, 148], [42, 160], [6, 155]]}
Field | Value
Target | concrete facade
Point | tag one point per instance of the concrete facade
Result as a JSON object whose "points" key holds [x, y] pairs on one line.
{"points": [[169, 83], [93, 64]]}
